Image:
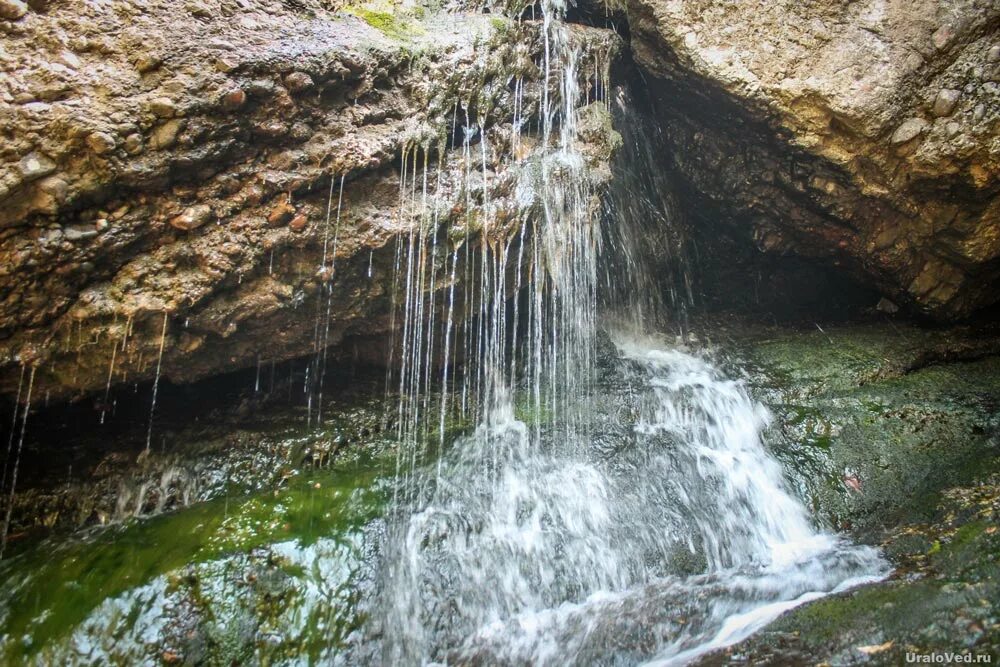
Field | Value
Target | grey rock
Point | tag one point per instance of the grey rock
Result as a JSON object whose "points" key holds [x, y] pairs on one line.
{"points": [[944, 103], [35, 165], [909, 130]]}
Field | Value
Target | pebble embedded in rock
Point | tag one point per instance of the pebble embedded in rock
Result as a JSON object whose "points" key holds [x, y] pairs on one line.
{"points": [[101, 142], [993, 55], [12, 10], [35, 165], [909, 130], [69, 59], [163, 107], [146, 63], [133, 144], [78, 233], [281, 213], [299, 222], [944, 103], [261, 88], [166, 135], [192, 218], [52, 192], [298, 82], [942, 36], [234, 99]]}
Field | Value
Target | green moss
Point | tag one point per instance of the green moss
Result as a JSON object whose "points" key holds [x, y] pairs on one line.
{"points": [[389, 24], [52, 590]]}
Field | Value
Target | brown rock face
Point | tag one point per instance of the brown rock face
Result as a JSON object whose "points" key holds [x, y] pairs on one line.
{"points": [[231, 168], [866, 134]]}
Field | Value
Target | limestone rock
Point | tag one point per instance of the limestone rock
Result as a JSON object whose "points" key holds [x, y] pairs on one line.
{"points": [[763, 105]]}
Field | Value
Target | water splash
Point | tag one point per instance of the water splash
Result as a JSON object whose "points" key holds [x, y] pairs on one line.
{"points": [[658, 536], [448, 568]]}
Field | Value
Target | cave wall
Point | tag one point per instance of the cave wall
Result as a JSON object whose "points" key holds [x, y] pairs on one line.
{"points": [[860, 135]]}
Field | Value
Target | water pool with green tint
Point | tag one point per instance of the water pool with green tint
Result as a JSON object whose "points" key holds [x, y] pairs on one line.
{"points": [[269, 576]]}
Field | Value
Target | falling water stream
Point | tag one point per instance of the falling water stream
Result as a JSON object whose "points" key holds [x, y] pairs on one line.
{"points": [[531, 540], [574, 522]]}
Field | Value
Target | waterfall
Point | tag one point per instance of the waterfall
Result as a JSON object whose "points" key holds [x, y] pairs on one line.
{"points": [[529, 539]]}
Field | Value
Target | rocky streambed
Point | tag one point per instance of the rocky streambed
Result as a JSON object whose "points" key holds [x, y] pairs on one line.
{"points": [[244, 536]]}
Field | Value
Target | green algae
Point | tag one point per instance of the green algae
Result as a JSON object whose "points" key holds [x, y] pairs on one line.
{"points": [[52, 590]]}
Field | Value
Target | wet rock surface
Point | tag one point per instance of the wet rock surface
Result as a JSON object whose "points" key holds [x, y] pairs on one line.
{"points": [[892, 433], [245, 534], [860, 134], [84, 467], [188, 162]]}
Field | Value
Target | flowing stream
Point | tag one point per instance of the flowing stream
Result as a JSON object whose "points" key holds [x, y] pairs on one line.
{"points": [[677, 538]]}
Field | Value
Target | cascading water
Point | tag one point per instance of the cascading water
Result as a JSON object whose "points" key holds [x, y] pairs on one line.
{"points": [[606, 504], [532, 540]]}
